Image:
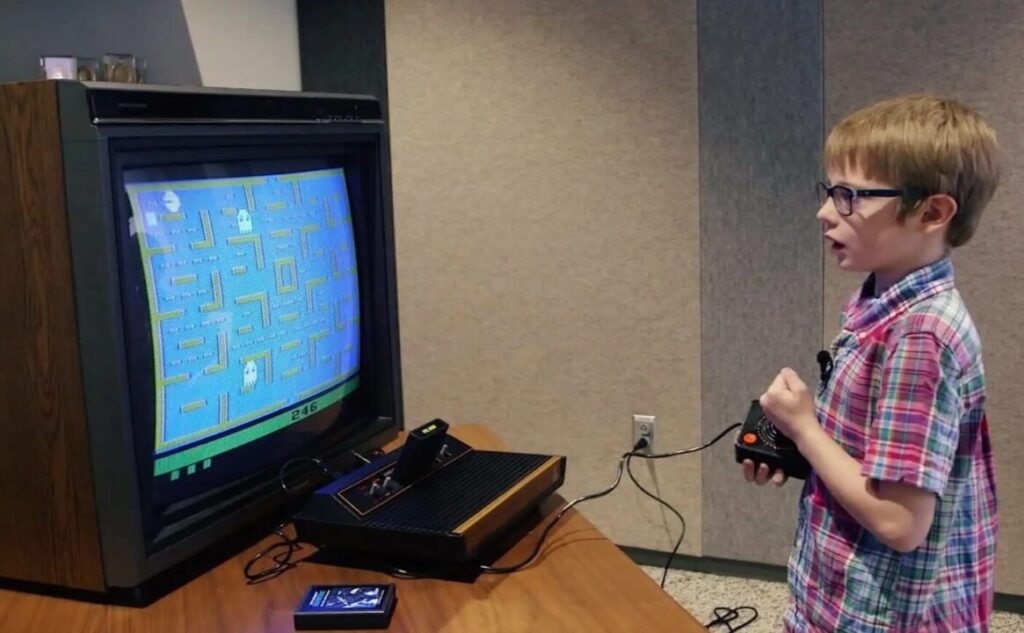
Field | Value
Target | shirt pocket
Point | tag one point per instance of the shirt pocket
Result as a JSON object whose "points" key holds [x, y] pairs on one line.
{"points": [[852, 404]]}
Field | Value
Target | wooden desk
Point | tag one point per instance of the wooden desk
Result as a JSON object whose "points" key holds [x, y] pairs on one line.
{"points": [[581, 582]]}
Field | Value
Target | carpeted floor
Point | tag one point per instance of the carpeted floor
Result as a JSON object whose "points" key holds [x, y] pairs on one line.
{"points": [[701, 593]]}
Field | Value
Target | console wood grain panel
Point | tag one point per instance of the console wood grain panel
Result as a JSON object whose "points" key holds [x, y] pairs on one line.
{"points": [[500, 511], [48, 527]]}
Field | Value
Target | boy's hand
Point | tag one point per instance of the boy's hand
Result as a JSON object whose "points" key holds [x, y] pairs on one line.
{"points": [[760, 475], [789, 404]]}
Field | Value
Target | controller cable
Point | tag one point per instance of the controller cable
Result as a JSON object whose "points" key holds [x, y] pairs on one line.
{"points": [[624, 465], [288, 544]]}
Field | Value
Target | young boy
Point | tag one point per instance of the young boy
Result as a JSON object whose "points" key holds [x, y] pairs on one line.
{"points": [[897, 524]]}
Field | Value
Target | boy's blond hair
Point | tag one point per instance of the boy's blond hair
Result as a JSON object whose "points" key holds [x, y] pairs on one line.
{"points": [[927, 145]]}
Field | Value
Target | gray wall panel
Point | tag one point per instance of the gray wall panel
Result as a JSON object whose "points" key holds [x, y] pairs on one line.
{"points": [[970, 51], [342, 47], [760, 140], [154, 29]]}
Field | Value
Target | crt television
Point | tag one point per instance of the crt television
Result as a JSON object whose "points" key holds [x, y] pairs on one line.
{"points": [[196, 286]]}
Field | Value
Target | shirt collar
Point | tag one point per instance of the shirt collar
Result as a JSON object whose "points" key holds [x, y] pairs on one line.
{"points": [[867, 312]]}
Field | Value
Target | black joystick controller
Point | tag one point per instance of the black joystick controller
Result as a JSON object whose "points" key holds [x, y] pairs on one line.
{"points": [[762, 443]]}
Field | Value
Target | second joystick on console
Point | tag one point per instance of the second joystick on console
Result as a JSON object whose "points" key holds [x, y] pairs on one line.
{"points": [[762, 443]]}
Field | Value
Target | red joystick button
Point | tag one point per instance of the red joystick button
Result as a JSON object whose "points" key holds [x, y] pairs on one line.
{"points": [[750, 438]]}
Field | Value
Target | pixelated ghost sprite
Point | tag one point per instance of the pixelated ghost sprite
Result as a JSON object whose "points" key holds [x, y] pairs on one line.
{"points": [[249, 376], [171, 201], [244, 221]]}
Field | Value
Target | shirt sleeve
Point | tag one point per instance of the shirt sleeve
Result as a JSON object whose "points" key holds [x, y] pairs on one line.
{"points": [[915, 431]]}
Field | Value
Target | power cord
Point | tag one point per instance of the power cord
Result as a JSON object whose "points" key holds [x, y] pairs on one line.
{"points": [[623, 465], [642, 443], [682, 521], [724, 616]]}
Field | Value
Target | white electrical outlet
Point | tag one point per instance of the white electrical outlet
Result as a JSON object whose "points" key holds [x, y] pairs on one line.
{"points": [[643, 427]]}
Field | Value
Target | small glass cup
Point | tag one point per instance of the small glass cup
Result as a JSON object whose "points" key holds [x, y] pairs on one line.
{"points": [[140, 69], [119, 67], [88, 69]]}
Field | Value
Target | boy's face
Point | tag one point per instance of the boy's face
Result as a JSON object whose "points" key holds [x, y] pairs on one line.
{"points": [[871, 239]]}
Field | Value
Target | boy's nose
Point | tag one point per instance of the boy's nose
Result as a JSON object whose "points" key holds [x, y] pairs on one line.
{"points": [[827, 213]]}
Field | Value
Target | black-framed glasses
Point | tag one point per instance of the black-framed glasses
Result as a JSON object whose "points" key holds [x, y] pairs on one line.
{"points": [[843, 196]]}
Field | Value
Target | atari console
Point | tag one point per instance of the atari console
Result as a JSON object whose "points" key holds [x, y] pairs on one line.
{"points": [[435, 503]]}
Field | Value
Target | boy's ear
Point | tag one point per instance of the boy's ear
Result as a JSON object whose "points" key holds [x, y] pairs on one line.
{"points": [[938, 211]]}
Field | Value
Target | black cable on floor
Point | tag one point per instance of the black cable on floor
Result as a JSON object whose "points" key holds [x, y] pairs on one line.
{"points": [[724, 616]]}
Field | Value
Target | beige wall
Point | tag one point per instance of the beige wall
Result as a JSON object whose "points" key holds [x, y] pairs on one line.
{"points": [[545, 195], [245, 43]]}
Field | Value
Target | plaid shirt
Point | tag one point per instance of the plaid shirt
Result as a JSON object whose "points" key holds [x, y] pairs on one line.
{"points": [[906, 400]]}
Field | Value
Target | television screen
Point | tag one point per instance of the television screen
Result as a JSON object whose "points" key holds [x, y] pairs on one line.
{"points": [[254, 307], [244, 318]]}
